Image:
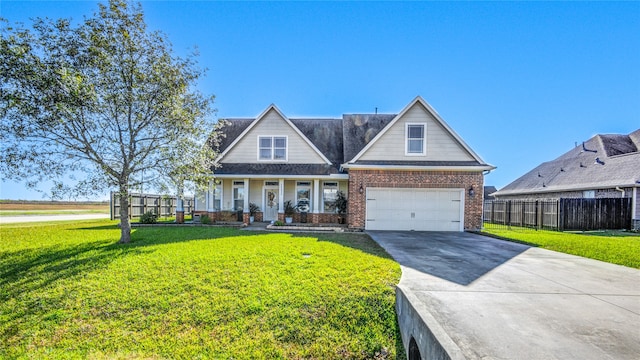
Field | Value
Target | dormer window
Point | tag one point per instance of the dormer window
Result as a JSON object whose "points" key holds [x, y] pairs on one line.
{"points": [[272, 148], [415, 139]]}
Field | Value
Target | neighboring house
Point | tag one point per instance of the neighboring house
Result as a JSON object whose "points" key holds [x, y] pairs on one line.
{"points": [[488, 192], [605, 166], [408, 171]]}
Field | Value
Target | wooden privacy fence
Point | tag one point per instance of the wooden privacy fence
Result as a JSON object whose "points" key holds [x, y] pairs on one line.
{"points": [[161, 205], [562, 214]]}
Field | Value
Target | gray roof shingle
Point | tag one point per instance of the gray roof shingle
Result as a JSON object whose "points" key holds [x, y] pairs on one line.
{"points": [[325, 134], [360, 129]]}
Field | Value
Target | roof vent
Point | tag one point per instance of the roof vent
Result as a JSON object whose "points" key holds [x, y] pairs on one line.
{"points": [[561, 169], [598, 161], [582, 165]]}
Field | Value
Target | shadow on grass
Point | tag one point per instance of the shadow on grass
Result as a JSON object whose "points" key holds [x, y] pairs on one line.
{"points": [[152, 236], [29, 270]]}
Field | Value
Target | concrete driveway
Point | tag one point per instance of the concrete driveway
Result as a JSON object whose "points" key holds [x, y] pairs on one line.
{"points": [[463, 295]]}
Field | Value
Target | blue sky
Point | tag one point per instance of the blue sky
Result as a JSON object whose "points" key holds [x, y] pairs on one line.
{"points": [[520, 82]]}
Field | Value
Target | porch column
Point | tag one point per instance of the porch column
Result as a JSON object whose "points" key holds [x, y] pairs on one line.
{"points": [[246, 196], [280, 196], [210, 197], [210, 209], [634, 204], [316, 196], [180, 206]]}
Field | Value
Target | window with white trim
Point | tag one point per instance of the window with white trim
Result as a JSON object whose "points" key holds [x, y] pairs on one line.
{"points": [[415, 139], [329, 196], [217, 196], [272, 148], [238, 195], [303, 196]]}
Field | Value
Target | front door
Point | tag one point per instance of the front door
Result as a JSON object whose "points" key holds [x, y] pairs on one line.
{"points": [[270, 204]]}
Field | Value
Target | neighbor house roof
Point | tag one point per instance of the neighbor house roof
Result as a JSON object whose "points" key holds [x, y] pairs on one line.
{"points": [[488, 192], [604, 161]]}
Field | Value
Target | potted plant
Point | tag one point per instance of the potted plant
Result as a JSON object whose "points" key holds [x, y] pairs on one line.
{"points": [[253, 209], [289, 209], [341, 206]]}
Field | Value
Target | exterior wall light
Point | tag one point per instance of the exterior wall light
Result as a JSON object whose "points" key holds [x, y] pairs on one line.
{"points": [[361, 189], [472, 192]]}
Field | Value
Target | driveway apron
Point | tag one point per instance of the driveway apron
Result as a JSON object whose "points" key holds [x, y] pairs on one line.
{"points": [[486, 298]]}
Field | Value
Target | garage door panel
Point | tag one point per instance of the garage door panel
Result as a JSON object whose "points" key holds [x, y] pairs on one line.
{"points": [[414, 209]]}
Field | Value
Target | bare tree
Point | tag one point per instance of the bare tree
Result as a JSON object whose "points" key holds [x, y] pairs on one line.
{"points": [[107, 99]]}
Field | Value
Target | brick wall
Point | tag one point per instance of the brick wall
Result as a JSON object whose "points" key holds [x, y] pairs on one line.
{"points": [[415, 179]]}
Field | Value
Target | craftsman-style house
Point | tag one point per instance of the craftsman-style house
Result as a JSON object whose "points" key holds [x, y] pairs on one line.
{"points": [[408, 171]]}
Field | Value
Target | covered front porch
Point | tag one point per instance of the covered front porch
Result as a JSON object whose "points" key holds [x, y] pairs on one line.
{"points": [[313, 197]]}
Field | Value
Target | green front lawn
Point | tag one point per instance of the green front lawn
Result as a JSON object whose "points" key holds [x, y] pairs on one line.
{"points": [[614, 247], [69, 291]]}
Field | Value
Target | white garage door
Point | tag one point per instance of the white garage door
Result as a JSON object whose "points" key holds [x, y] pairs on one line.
{"points": [[415, 209]]}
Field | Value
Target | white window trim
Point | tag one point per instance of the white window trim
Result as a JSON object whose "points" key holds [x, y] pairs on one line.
{"points": [[406, 139], [324, 184], [273, 144], [307, 187], [217, 185], [233, 190]]}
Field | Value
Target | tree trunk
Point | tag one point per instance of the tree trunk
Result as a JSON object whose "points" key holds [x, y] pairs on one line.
{"points": [[125, 226]]}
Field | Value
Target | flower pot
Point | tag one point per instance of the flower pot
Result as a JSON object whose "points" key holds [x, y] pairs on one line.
{"points": [[288, 220], [251, 219]]}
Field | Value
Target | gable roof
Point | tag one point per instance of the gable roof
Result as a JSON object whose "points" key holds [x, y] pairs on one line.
{"points": [[438, 119], [360, 129], [257, 120], [326, 135], [577, 169], [337, 141]]}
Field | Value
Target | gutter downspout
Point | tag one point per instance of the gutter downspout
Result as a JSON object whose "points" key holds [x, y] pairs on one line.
{"points": [[621, 190]]}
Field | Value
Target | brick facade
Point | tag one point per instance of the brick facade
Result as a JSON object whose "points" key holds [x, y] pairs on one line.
{"points": [[415, 179]]}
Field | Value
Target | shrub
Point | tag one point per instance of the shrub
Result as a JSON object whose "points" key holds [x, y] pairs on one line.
{"points": [[278, 223], [289, 209], [148, 218], [253, 209], [205, 219]]}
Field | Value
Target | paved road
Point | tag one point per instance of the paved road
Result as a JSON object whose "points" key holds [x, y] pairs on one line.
{"points": [[488, 298], [38, 218]]}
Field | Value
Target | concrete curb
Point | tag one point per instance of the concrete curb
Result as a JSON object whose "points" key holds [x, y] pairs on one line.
{"points": [[416, 322]]}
